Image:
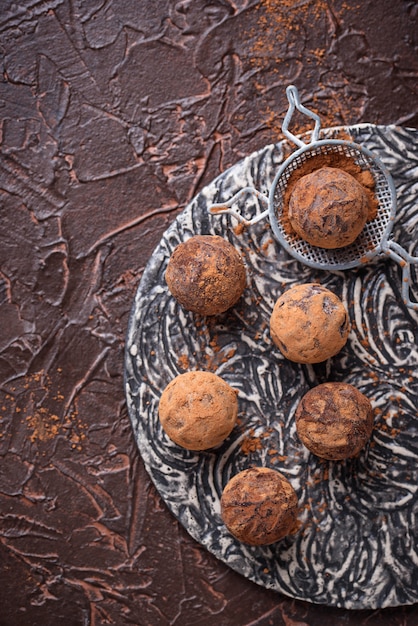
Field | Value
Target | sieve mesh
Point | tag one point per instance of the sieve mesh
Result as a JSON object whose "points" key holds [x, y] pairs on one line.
{"points": [[369, 242]]}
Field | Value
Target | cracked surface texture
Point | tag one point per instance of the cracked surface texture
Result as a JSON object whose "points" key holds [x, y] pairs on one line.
{"points": [[113, 116]]}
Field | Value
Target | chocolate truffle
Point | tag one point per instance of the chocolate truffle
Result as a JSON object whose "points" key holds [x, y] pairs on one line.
{"points": [[198, 410], [334, 420], [259, 506], [328, 208], [309, 323], [206, 274]]}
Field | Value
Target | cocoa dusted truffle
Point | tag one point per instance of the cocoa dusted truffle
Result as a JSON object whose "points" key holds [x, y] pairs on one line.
{"points": [[259, 506], [328, 208], [309, 323], [198, 410], [206, 274], [334, 420]]}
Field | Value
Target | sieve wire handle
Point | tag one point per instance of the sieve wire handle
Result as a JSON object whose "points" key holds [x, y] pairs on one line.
{"points": [[295, 103], [405, 260], [229, 208]]}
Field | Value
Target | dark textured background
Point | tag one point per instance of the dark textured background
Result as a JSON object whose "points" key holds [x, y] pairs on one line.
{"points": [[113, 115]]}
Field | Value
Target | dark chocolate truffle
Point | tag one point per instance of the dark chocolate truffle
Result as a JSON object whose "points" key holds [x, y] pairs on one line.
{"points": [[309, 323], [334, 420], [206, 274], [328, 208], [198, 410], [259, 506]]}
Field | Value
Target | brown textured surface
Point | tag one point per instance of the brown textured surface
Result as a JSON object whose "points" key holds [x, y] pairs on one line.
{"points": [[259, 506], [334, 420], [113, 116], [206, 274]]}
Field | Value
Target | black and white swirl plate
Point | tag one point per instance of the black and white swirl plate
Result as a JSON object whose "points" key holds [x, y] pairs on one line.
{"points": [[357, 545]]}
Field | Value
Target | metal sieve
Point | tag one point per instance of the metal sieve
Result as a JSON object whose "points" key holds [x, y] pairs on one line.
{"points": [[373, 241]]}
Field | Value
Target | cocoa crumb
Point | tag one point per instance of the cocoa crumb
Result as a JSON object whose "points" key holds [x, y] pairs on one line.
{"points": [[251, 443], [183, 362], [239, 228]]}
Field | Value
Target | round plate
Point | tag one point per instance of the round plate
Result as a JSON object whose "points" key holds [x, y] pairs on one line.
{"points": [[356, 546]]}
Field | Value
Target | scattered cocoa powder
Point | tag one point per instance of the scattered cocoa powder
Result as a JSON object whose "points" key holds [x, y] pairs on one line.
{"points": [[251, 444], [42, 407], [183, 362], [280, 24]]}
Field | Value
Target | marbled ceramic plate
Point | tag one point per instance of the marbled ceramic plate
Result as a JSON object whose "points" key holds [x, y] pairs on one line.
{"points": [[357, 545]]}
